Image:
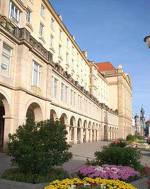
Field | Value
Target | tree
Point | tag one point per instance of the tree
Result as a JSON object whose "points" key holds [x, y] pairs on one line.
{"points": [[37, 147]]}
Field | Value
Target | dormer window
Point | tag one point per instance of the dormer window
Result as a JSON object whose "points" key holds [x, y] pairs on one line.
{"points": [[14, 12], [42, 10]]}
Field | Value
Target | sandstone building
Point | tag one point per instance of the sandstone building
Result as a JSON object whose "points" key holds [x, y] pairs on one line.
{"points": [[44, 72]]}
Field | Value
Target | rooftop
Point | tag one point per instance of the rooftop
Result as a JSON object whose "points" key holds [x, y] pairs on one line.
{"points": [[105, 66]]}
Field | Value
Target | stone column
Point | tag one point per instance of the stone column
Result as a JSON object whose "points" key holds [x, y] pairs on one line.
{"points": [[90, 139], [68, 133], [8, 128], [94, 135], [81, 135], [87, 135], [75, 135]]}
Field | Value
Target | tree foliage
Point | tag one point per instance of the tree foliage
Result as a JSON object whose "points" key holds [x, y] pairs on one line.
{"points": [[115, 155], [37, 147]]}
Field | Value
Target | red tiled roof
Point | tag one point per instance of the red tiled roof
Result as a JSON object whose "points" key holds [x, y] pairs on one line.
{"points": [[105, 66]]}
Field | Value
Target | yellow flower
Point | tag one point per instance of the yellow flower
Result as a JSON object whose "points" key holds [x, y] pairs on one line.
{"points": [[110, 184]]}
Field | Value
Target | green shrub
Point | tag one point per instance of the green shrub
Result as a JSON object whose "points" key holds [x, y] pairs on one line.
{"points": [[119, 156], [139, 137], [37, 147], [16, 175], [131, 138], [119, 142]]}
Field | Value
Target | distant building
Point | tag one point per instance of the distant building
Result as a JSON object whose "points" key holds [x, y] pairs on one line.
{"points": [[140, 123], [44, 73], [147, 130]]}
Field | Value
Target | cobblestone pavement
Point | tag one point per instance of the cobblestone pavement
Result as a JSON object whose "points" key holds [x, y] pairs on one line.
{"points": [[4, 162], [80, 153]]}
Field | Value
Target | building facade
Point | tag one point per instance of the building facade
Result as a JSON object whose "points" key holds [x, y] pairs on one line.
{"points": [[140, 123], [44, 72]]}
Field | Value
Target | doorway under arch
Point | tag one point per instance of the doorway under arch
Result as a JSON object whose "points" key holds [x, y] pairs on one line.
{"points": [[34, 112], [4, 110]]}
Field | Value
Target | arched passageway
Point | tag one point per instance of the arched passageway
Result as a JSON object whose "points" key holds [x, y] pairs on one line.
{"points": [[84, 131], [63, 119], [34, 112], [53, 115], [71, 130], [4, 109], [79, 131]]}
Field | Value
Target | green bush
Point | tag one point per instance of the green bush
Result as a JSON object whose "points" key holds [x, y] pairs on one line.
{"points": [[119, 142], [37, 147], [16, 175], [139, 137], [119, 156], [131, 138]]}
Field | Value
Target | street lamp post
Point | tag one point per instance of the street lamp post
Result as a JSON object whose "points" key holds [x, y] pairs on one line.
{"points": [[147, 40]]}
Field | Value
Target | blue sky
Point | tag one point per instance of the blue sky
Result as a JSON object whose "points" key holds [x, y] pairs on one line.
{"points": [[113, 30]]}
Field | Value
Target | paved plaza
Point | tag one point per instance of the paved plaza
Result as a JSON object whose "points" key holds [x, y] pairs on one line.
{"points": [[82, 152]]}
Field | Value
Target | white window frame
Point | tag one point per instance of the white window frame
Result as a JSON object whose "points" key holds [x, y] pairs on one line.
{"points": [[38, 74], [62, 91], [9, 57], [28, 15], [55, 87], [66, 94], [41, 29], [52, 41], [16, 12]]}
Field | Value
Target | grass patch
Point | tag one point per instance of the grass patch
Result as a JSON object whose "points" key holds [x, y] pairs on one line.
{"points": [[15, 174]]}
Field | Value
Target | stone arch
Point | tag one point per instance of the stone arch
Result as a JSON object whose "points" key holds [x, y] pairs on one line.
{"points": [[79, 125], [89, 132], [93, 132], [34, 111], [84, 131], [71, 129], [64, 119], [4, 122], [96, 132], [53, 115]]}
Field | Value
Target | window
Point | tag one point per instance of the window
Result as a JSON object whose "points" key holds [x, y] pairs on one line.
{"points": [[66, 94], [62, 91], [59, 50], [67, 43], [74, 99], [36, 74], [52, 23], [72, 50], [55, 85], [14, 12], [71, 97], [52, 41], [41, 30], [28, 15], [42, 10], [67, 58], [6, 60], [60, 34]]}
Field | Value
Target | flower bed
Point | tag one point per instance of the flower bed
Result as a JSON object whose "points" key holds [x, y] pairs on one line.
{"points": [[89, 183], [124, 173]]}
